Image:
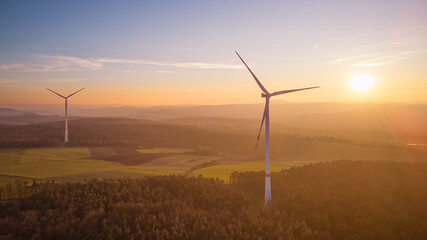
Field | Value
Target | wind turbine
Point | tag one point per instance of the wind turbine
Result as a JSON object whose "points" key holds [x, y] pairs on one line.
{"points": [[66, 110], [266, 117]]}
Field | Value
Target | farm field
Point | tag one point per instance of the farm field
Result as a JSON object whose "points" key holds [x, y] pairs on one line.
{"points": [[49, 163], [80, 163], [164, 150], [223, 172], [183, 163], [64, 164]]}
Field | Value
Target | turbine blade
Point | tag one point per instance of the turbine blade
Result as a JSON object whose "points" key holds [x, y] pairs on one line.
{"points": [[253, 75], [56, 93], [74, 93], [292, 90], [260, 129]]}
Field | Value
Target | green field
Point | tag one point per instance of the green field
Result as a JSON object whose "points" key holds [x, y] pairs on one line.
{"points": [[223, 172], [79, 163], [164, 150], [64, 163]]}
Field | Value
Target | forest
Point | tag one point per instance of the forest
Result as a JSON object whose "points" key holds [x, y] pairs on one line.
{"points": [[331, 200]]}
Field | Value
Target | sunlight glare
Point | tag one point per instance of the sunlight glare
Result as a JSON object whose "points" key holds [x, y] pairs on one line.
{"points": [[362, 82]]}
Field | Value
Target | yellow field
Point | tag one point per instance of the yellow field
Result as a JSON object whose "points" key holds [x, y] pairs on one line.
{"points": [[44, 163], [180, 163], [76, 164], [164, 150], [223, 172], [151, 171]]}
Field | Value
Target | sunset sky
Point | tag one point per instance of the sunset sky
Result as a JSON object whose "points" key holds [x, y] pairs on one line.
{"points": [[182, 52]]}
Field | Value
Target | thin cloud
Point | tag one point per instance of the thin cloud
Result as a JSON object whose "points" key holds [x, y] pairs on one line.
{"points": [[60, 80], [20, 82], [376, 60], [12, 67], [199, 65], [67, 63], [73, 62], [367, 65], [400, 43], [342, 60], [182, 49], [206, 65], [286, 58], [154, 71], [54, 64], [159, 71], [385, 59]]}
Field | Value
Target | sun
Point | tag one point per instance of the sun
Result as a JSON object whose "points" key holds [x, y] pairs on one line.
{"points": [[362, 82]]}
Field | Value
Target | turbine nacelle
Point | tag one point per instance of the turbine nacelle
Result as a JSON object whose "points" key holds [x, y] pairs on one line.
{"points": [[263, 95]]}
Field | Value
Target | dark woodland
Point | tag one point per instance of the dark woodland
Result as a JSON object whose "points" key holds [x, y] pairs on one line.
{"points": [[335, 200]]}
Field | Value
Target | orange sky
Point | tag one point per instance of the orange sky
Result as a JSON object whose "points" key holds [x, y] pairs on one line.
{"points": [[165, 54]]}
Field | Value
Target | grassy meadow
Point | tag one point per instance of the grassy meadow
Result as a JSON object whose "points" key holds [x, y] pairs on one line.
{"points": [[223, 172], [80, 163], [164, 150], [48, 163]]}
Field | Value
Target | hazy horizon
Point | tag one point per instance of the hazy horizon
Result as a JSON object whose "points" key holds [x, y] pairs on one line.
{"points": [[260, 101]]}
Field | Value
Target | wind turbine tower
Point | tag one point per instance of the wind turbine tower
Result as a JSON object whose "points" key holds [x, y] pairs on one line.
{"points": [[266, 117], [66, 111]]}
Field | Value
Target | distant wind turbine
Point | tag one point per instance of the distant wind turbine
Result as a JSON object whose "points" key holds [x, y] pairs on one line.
{"points": [[66, 110], [266, 118]]}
